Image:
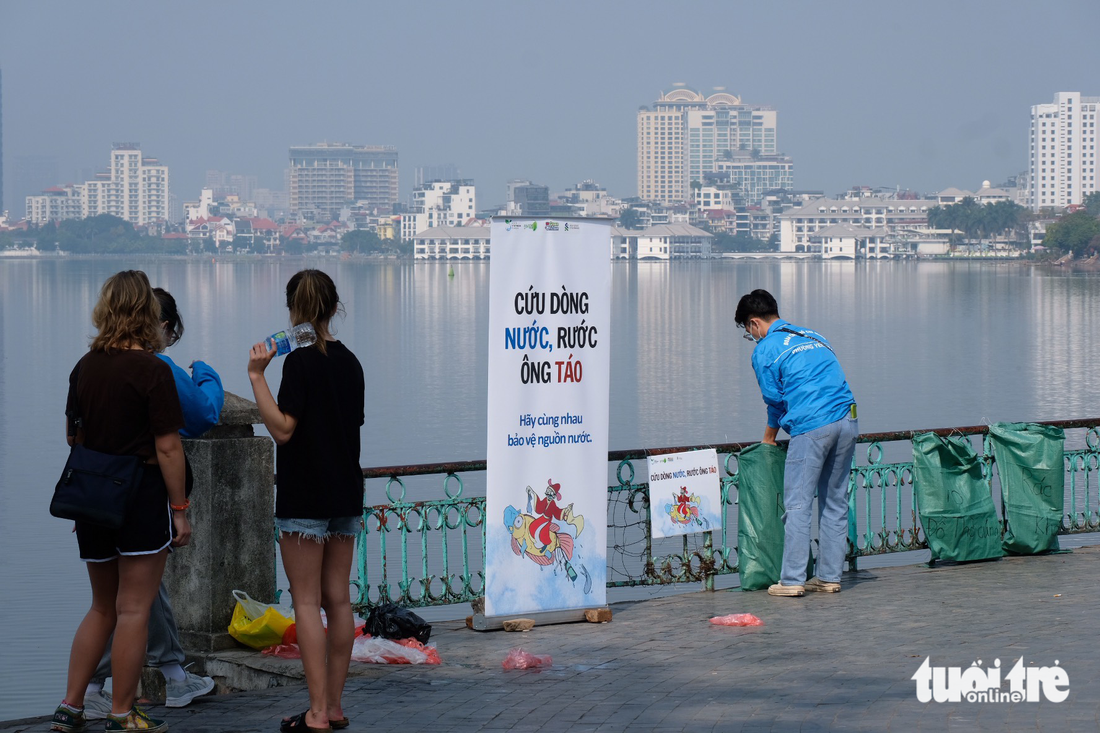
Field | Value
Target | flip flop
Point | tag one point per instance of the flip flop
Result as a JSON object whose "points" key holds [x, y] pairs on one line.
{"points": [[298, 723], [339, 723]]}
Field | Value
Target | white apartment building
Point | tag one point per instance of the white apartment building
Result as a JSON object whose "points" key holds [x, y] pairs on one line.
{"points": [[134, 188], [452, 243], [1062, 147], [672, 242], [56, 203], [797, 226], [439, 203], [680, 139]]}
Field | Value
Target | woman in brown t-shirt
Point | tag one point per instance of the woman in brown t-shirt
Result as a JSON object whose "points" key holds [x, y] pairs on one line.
{"points": [[122, 400]]}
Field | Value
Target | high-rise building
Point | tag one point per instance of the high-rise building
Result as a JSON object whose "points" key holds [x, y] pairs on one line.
{"points": [[685, 133], [1062, 148], [327, 177], [225, 184], [528, 199], [134, 188]]}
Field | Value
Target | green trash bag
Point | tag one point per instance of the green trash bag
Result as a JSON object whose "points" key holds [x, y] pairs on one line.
{"points": [[956, 510], [1030, 462], [760, 515]]}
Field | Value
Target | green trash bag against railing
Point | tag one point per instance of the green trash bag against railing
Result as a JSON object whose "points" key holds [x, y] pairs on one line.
{"points": [[760, 515], [1030, 462], [956, 511]]}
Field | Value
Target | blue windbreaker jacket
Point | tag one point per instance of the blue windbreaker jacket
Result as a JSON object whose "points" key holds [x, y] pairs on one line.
{"points": [[201, 396], [800, 379]]}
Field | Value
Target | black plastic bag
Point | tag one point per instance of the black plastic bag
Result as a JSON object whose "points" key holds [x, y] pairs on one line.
{"points": [[390, 621]]}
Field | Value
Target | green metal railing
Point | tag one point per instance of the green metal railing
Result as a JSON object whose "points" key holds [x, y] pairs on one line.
{"points": [[430, 553], [882, 500]]}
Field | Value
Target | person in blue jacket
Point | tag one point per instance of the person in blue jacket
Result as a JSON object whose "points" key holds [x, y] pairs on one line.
{"points": [[808, 396], [201, 398]]}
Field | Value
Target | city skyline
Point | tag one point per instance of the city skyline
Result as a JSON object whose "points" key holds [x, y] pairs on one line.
{"points": [[865, 93]]}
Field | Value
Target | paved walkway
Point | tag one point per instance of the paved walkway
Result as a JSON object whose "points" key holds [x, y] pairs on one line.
{"points": [[823, 662]]}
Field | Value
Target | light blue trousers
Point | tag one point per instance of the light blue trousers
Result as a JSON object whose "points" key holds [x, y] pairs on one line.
{"points": [[817, 461]]}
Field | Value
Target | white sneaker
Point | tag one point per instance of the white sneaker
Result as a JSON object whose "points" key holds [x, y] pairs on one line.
{"points": [[793, 591], [817, 585], [97, 705], [178, 694]]}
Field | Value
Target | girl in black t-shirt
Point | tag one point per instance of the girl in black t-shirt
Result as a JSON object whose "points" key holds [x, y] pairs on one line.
{"points": [[319, 503], [122, 401]]}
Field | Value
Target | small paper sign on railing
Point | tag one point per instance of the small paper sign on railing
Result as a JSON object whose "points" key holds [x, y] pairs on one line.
{"points": [[685, 493]]}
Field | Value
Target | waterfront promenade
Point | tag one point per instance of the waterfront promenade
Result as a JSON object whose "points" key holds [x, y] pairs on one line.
{"points": [[823, 662]]}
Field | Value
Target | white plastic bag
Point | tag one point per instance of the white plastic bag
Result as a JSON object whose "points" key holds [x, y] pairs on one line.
{"points": [[384, 651]]}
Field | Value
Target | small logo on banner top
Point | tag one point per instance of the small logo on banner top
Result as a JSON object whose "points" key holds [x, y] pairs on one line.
{"points": [[572, 227], [551, 226], [975, 684], [516, 225]]}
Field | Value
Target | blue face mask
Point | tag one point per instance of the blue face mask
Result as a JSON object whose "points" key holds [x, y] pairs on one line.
{"points": [[748, 336]]}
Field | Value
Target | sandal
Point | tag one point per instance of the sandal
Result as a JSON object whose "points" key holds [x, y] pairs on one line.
{"points": [[298, 723], [339, 723]]}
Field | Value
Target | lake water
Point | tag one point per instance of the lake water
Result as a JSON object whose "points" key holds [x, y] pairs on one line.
{"points": [[924, 344]]}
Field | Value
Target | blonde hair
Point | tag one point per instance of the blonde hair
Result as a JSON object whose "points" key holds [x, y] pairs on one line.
{"points": [[311, 298], [127, 314]]}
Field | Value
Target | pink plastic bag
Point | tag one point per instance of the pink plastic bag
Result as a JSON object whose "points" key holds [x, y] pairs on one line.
{"points": [[519, 658], [737, 619], [285, 651]]}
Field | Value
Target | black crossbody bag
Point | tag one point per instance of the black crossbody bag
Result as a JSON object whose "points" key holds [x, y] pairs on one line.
{"points": [[95, 487]]}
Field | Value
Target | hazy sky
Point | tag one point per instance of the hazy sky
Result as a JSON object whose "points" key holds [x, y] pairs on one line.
{"points": [[914, 94]]}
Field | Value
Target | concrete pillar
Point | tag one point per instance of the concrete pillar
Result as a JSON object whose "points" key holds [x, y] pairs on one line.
{"points": [[232, 522]]}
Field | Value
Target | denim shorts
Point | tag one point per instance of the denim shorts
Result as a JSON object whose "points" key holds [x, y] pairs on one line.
{"points": [[320, 529]]}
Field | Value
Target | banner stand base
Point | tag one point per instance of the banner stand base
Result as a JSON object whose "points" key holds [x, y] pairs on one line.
{"points": [[598, 614]]}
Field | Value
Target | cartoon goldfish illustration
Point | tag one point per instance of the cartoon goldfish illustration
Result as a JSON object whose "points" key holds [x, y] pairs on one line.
{"points": [[685, 508], [538, 535]]}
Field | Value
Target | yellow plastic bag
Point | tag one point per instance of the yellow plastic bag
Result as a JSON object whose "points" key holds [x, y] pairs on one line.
{"points": [[255, 624]]}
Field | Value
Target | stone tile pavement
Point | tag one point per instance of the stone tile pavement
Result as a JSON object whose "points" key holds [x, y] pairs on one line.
{"points": [[824, 662]]}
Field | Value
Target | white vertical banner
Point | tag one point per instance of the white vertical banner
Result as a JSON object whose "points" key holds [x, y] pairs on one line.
{"points": [[549, 381]]}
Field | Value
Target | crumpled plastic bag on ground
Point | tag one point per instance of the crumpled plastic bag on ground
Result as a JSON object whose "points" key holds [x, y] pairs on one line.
{"points": [[283, 651], [387, 651], [520, 658], [737, 619], [390, 621], [374, 651], [430, 651]]}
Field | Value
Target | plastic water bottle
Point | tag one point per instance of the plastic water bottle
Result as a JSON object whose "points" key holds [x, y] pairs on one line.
{"points": [[294, 338]]}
